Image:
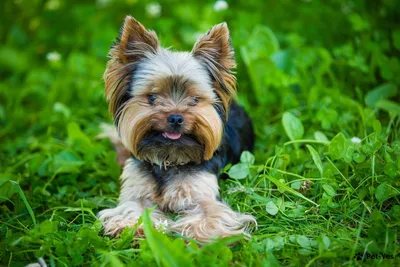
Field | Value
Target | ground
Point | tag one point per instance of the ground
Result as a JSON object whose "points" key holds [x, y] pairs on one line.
{"points": [[320, 81]]}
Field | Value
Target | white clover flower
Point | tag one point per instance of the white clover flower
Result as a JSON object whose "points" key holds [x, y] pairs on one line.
{"points": [[103, 3], [355, 140], [220, 5], [53, 5], [161, 226], [153, 10], [53, 56]]}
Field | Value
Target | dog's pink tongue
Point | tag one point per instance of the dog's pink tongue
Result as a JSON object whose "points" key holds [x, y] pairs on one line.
{"points": [[173, 136]]}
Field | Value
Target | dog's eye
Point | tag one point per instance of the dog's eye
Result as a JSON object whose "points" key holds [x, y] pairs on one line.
{"points": [[152, 98], [195, 101]]}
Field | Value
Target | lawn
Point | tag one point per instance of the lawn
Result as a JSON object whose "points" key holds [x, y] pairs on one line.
{"points": [[319, 78]]}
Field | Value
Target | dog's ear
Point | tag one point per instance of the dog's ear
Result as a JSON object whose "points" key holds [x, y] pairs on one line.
{"points": [[133, 44], [214, 49], [134, 41]]}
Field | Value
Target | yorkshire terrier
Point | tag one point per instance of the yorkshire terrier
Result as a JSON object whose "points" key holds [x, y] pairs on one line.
{"points": [[174, 113]]}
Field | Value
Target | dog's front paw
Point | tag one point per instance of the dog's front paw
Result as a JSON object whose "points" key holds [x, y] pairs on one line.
{"points": [[117, 219], [212, 220]]}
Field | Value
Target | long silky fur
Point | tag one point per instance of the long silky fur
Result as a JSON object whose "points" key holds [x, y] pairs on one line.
{"points": [[215, 50], [179, 176]]}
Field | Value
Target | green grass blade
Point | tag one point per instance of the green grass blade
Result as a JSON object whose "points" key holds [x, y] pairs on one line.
{"points": [[165, 252], [285, 187], [316, 158], [23, 197]]}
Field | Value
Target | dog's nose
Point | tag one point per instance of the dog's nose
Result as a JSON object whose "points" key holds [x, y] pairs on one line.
{"points": [[175, 120]]}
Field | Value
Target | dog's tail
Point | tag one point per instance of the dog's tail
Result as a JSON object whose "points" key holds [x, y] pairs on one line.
{"points": [[109, 131]]}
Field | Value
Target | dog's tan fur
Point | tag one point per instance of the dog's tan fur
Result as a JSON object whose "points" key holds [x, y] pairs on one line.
{"points": [[199, 87], [136, 194], [201, 215]]}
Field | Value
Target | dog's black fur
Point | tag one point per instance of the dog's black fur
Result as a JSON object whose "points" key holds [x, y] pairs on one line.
{"points": [[238, 137]]}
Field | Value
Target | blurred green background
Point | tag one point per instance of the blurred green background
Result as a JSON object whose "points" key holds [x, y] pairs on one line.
{"points": [[291, 55], [331, 66]]}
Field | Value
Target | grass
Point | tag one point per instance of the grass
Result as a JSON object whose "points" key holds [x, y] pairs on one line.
{"points": [[320, 81]]}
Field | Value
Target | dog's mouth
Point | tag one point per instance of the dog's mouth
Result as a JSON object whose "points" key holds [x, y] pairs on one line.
{"points": [[172, 135], [170, 148], [169, 138]]}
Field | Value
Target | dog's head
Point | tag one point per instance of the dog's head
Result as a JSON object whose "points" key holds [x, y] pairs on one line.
{"points": [[170, 107]]}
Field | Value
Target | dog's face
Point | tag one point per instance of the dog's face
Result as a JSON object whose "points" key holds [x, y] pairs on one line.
{"points": [[170, 107]]}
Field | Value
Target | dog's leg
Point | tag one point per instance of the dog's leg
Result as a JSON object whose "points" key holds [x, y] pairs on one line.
{"points": [[136, 195], [203, 216]]}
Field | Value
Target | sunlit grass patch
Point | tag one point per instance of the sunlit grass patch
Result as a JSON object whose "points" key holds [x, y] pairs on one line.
{"points": [[320, 81]]}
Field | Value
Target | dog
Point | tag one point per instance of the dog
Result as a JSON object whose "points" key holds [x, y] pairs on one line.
{"points": [[178, 125]]}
